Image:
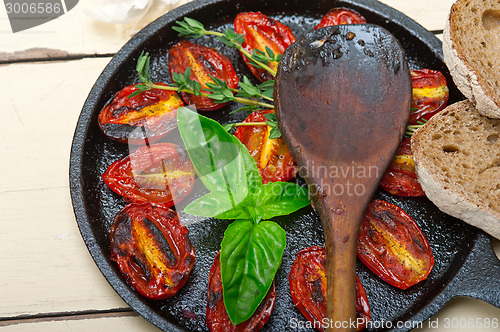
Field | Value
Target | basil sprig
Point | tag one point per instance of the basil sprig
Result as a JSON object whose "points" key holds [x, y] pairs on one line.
{"points": [[251, 254], [252, 247]]}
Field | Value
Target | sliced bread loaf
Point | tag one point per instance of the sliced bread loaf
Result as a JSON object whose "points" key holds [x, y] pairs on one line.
{"points": [[457, 159], [471, 49]]}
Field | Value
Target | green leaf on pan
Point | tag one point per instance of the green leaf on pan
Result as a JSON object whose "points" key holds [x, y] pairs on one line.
{"points": [[227, 127], [250, 256], [135, 93], [190, 28], [246, 108], [275, 132], [218, 204], [281, 198], [220, 160]]}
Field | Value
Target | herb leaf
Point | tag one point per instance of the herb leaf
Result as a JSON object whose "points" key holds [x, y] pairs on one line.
{"points": [[218, 204], [189, 28], [220, 160], [267, 88], [250, 256], [275, 133], [281, 198], [231, 38], [272, 122]]}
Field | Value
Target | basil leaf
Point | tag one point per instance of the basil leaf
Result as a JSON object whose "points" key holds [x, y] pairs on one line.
{"points": [[281, 198], [218, 204], [250, 256], [220, 160]]}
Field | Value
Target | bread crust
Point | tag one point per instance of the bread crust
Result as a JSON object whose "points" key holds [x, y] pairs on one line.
{"points": [[464, 76], [450, 201], [455, 204]]}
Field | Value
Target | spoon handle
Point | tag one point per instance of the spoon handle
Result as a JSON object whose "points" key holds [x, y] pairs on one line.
{"points": [[341, 227]]}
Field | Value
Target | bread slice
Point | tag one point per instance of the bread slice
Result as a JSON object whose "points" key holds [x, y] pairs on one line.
{"points": [[471, 49], [457, 159]]}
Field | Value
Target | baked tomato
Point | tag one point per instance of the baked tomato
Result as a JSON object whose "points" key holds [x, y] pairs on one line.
{"points": [[261, 31], [157, 173], [274, 161], [204, 62], [152, 249], [142, 118], [308, 288], [393, 247], [217, 317], [429, 94], [337, 16], [400, 177]]}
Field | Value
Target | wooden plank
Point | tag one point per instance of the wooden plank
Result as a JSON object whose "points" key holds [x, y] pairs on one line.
{"points": [[41, 110], [431, 14], [463, 315], [75, 33], [44, 264], [95, 323]]}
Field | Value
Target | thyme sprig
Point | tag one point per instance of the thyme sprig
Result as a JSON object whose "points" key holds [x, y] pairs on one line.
{"points": [[270, 121], [217, 90], [191, 28], [411, 129]]}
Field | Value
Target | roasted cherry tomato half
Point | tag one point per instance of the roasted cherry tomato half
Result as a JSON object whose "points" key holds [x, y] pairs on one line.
{"points": [[274, 161], [308, 288], [393, 247], [337, 16], [261, 31], [204, 62], [429, 94], [152, 249], [217, 317], [157, 173], [142, 118], [400, 177]]}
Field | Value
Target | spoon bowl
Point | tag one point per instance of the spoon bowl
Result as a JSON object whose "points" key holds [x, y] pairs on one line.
{"points": [[343, 98]]}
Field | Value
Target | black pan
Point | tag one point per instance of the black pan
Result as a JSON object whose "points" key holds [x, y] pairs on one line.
{"points": [[465, 263]]}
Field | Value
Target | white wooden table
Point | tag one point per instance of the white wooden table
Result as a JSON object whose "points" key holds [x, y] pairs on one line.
{"points": [[48, 281]]}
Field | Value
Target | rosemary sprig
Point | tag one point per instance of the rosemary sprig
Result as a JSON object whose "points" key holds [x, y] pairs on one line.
{"points": [[191, 28]]}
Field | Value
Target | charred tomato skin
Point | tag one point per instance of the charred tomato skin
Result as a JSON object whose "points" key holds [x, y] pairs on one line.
{"points": [[204, 62], [274, 160], [340, 15], [146, 117], [261, 31], [392, 245], [400, 178], [430, 94], [156, 173], [308, 288], [217, 317], [152, 249]]}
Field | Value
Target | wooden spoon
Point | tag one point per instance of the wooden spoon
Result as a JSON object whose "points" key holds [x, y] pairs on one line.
{"points": [[343, 100]]}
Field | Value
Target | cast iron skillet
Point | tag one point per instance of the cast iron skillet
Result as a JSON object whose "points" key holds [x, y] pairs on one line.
{"points": [[465, 262]]}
